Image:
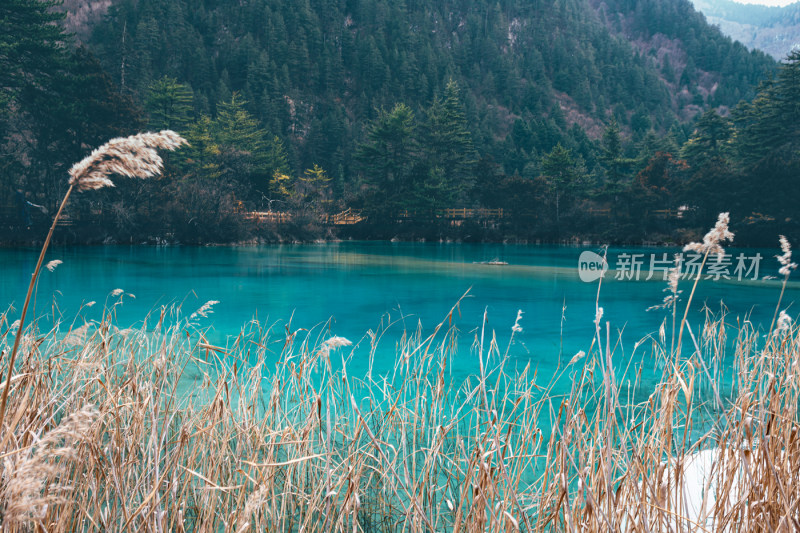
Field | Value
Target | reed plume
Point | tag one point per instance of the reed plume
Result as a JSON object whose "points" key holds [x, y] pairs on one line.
{"points": [[786, 269], [132, 157], [711, 245], [711, 241], [786, 259], [784, 321], [31, 486], [205, 310], [333, 343]]}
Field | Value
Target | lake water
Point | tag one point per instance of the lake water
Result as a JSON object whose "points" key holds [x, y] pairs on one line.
{"points": [[356, 285]]}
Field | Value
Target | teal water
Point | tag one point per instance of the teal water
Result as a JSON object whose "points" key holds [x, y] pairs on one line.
{"points": [[356, 285]]}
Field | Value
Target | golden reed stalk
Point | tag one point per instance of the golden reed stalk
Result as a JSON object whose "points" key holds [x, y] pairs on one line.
{"points": [[132, 157]]}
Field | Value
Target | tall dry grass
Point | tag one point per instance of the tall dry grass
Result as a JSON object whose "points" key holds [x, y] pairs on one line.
{"points": [[133, 157], [156, 429]]}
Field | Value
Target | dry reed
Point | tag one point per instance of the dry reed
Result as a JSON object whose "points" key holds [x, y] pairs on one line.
{"points": [[272, 433], [133, 157]]}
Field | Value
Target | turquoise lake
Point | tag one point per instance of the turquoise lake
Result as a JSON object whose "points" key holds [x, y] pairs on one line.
{"points": [[356, 285]]}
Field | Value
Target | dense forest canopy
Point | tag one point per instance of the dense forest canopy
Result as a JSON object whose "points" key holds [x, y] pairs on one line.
{"points": [[625, 120], [311, 68]]}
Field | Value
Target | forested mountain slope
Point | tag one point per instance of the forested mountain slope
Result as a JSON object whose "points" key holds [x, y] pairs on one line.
{"points": [[773, 29], [699, 64], [315, 71], [614, 120]]}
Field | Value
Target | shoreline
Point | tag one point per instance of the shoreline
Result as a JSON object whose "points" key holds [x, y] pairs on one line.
{"points": [[574, 243]]}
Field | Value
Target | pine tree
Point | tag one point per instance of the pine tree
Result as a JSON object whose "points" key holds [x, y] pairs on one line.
{"points": [[32, 45], [767, 144], [169, 104], [710, 141], [616, 167], [564, 175], [770, 125], [201, 157], [787, 104], [447, 143], [656, 185], [311, 193], [611, 156], [278, 163], [62, 98], [244, 143], [388, 155], [33, 62]]}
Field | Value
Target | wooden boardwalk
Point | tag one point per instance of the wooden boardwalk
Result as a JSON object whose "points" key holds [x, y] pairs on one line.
{"points": [[457, 213], [269, 217], [345, 218], [351, 216]]}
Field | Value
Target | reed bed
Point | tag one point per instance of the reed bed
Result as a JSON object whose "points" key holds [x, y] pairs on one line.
{"points": [[156, 429]]}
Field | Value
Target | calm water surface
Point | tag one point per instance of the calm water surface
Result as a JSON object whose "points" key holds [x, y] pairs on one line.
{"points": [[356, 285]]}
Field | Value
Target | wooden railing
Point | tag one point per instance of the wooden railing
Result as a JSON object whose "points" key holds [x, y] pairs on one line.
{"points": [[270, 217], [65, 221], [668, 213], [458, 213], [656, 213], [345, 218], [471, 213]]}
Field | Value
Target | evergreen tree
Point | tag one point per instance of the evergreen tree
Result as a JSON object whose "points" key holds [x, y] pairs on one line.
{"points": [[788, 95], [767, 144], [656, 186], [311, 193], [57, 95], [244, 145], [169, 104], [388, 156], [32, 46], [564, 177], [771, 124], [278, 162], [447, 144], [615, 166], [201, 157], [612, 157], [316, 174], [33, 62], [710, 140]]}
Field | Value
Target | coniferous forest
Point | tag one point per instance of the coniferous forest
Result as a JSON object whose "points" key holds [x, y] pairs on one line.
{"points": [[622, 121]]}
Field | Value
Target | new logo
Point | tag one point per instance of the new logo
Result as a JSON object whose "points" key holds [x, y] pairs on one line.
{"points": [[591, 266]]}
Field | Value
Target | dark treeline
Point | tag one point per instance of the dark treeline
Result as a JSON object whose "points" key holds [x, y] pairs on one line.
{"points": [[400, 111], [657, 188]]}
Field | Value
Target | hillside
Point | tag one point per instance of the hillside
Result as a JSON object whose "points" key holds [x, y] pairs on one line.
{"points": [[613, 120], [775, 30], [315, 72], [698, 62], [83, 15]]}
